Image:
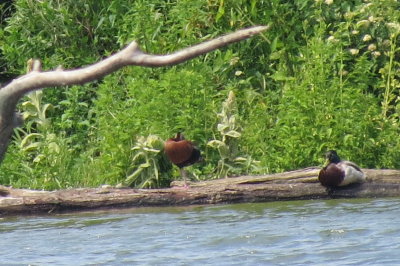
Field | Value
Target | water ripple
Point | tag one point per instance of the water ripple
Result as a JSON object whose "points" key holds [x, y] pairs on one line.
{"points": [[331, 232]]}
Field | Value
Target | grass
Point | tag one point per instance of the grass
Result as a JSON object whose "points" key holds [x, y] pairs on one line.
{"points": [[325, 76]]}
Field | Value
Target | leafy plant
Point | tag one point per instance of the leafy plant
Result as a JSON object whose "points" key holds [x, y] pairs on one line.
{"points": [[32, 139], [390, 76], [228, 127], [150, 167], [45, 156]]}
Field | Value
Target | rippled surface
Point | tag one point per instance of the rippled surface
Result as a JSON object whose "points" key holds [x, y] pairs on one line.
{"points": [[333, 232]]}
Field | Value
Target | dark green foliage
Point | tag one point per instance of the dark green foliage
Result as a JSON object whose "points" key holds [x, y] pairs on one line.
{"points": [[325, 76]]}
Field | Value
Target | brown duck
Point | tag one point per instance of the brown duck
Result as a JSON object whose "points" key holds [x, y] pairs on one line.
{"points": [[182, 153]]}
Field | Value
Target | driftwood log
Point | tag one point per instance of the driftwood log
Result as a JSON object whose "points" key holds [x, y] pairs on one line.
{"points": [[295, 185]]}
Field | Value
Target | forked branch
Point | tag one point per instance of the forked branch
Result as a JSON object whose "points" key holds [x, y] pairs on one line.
{"points": [[130, 55]]}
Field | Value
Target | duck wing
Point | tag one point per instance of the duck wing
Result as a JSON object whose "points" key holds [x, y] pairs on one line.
{"points": [[349, 163], [352, 173]]}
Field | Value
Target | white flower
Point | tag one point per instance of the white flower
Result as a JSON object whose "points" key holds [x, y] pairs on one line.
{"points": [[349, 15], [394, 26], [329, 2], [238, 73], [372, 47], [354, 51], [367, 38], [376, 53], [355, 32]]}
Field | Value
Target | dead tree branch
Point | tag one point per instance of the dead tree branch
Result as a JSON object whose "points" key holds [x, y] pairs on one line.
{"points": [[131, 55]]}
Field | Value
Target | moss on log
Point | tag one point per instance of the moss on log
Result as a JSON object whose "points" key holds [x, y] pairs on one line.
{"points": [[295, 185]]}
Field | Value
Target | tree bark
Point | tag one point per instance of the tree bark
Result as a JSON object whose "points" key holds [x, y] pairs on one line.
{"points": [[130, 55], [295, 185]]}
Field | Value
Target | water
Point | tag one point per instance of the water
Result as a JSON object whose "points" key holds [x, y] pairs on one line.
{"points": [[332, 232]]}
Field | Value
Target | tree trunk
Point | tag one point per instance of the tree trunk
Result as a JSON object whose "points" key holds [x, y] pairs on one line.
{"points": [[295, 185]]}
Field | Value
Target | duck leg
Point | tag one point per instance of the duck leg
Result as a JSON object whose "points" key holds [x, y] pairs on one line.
{"points": [[183, 173]]}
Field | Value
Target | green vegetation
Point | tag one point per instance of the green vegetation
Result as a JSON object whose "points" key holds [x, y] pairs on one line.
{"points": [[228, 147], [150, 165], [325, 76]]}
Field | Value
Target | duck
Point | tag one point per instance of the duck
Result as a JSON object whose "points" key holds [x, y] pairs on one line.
{"points": [[182, 153], [338, 173]]}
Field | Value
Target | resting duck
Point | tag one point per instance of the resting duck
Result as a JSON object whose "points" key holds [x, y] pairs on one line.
{"points": [[182, 153], [339, 173]]}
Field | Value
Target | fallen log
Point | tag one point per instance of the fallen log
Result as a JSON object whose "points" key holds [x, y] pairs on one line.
{"points": [[294, 185]]}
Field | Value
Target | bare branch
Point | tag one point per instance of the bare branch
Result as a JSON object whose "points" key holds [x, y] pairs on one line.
{"points": [[130, 55], [191, 52]]}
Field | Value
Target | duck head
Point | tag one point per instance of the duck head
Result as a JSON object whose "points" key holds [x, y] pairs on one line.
{"points": [[332, 157], [179, 136]]}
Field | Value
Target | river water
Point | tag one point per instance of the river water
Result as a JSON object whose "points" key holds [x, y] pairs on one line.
{"points": [[317, 232]]}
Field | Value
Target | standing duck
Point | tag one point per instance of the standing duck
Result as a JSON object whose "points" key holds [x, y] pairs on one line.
{"points": [[182, 153], [339, 173]]}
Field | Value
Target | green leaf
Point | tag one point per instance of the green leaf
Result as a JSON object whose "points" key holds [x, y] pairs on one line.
{"points": [[32, 147], [28, 138], [216, 144], [233, 134], [221, 11], [222, 127]]}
